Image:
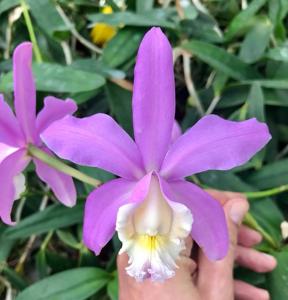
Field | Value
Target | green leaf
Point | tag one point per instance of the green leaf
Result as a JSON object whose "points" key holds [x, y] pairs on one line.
{"points": [[155, 17], [112, 288], [76, 284], [273, 83], [7, 4], [256, 41], [256, 103], [272, 175], [5, 245], [226, 181], [278, 53], [190, 12], [221, 60], [255, 109], [203, 27], [244, 19], [53, 217], [16, 280], [50, 21], [68, 238], [268, 216], [96, 66], [120, 104], [277, 280], [236, 95], [41, 263], [122, 47], [249, 276], [143, 6], [57, 78]]}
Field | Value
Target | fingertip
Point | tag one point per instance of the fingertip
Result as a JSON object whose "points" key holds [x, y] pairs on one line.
{"points": [[237, 209], [244, 290], [248, 237], [270, 261], [122, 260]]}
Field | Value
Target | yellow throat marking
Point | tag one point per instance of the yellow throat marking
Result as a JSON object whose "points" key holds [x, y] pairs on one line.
{"points": [[150, 242]]}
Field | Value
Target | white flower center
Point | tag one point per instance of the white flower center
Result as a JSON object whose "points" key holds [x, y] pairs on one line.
{"points": [[153, 233]]}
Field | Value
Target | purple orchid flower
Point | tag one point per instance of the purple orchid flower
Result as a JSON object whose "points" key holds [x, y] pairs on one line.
{"points": [[16, 133], [152, 206]]}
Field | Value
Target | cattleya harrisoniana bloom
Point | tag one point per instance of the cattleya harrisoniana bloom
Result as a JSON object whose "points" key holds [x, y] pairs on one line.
{"points": [[18, 132], [151, 205]]}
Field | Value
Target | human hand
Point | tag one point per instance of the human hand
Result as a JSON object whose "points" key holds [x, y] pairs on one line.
{"points": [[201, 279]]}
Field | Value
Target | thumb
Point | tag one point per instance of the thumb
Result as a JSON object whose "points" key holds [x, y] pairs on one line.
{"points": [[215, 278]]}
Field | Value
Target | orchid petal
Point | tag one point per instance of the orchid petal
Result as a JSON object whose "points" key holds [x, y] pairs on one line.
{"points": [[54, 110], [96, 141], [209, 228], [102, 206], [10, 131], [24, 90], [214, 144], [10, 167], [61, 184], [153, 98], [176, 132], [5, 151]]}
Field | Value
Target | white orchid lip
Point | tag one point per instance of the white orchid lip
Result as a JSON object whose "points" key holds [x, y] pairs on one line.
{"points": [[153, 233]]}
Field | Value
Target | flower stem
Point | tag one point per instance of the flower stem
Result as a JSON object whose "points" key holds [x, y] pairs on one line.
{"points": [[267, 193], [29, 25], [60, 166], [250, 221]]}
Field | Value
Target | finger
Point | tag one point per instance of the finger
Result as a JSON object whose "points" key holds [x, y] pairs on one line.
{"points": [[224, 196], [188, 247], [255, 260], [181, 283], [245, 291], [248, 237], [215, 279]]}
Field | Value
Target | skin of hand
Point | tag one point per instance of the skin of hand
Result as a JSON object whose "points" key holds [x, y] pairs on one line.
{"points": [[201, 279]]}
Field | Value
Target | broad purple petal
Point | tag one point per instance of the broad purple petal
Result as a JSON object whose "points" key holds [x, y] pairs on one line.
{"points": [[176, 132], [11, 166], [153, 98], [102, 206], [54, 109], [10, 131], [61, 184], [96, 141], [209, 228], [24, 90], [5, 151], [214, 144]]}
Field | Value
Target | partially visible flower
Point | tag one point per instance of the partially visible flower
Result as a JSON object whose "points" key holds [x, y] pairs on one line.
{"points": [[102, 33], [284, 230], [17, 132], [151, 205]]}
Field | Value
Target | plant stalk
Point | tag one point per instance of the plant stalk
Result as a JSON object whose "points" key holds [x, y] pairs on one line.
{"points": [[30, 28], [60, 166]]}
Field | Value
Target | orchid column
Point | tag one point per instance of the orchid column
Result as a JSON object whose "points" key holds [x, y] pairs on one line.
{"points": [[151, 205]]}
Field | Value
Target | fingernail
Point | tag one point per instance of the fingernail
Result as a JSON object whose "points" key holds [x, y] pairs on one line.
{"points": [[270, 259], [238, 210], [264, 294]]}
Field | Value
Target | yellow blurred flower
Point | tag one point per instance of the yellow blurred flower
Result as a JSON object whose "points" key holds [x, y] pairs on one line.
{"points": [[101, 33]]}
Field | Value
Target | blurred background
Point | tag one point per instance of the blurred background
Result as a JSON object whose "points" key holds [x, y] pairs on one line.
{"points": [[231, 59]]}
